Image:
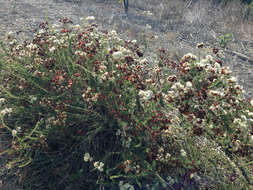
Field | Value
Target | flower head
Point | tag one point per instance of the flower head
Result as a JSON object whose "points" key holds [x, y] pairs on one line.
{"points": [[134, 41], [188, 84], [251, 102], [113, 33], [200, 45], [32, 46], [146, 95], [125, 186], [10, 35], [90, 18], [177, 86], [251, 139], [87, 157], [188, 57], [99, 166], [6, 111], [77, 27], [232, 79], [55, 26], [148, 13], [183, 153], [2, 100], [14, 132], [215, 93], [32, 99], [52, 49], [117, 55]]}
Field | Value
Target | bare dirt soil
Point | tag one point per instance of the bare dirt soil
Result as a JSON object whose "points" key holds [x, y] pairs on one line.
{"points": [[177, 26]]}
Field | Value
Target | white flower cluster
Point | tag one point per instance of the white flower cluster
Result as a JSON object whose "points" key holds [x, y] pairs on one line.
{"points": [[50, 122], [128, 142], [118, 133], [99, 166], [177, 86], [113, 33], [188, 57], [90, 18], [232, 80], [59, 42], [241, 122], [10, 35], [146, 95], [125, 51], [200, 64], [148, 13], [2, 100], [134, 41], [251, 139], [32, 99], [215, 93], [237, 145], [6, 111], [118, 55], [187, 87], [81, 53], [127, 166], [114, 36], [251, 102], [125, 186], [183, 153], [195, 176], [32, 47], [77, 27], [205, 62], [87, 157], [217, 66], [52, 49], [55, 26], [105, 76], [250, 114], [42, 31], [14, 132], [143, 61], [161, 156], [188, 84]]}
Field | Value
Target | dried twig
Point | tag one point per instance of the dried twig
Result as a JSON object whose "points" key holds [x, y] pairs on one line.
{"points": [[240, 55]]}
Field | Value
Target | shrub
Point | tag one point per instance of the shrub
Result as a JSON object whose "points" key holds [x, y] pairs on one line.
{"points": [[85, 109]]}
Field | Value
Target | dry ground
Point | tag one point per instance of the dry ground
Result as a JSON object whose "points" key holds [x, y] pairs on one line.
{"points": [[179, 25]]}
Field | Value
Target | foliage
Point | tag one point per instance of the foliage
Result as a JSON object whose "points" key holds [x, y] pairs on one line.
{"points": [[225, 39], [85, 109]]}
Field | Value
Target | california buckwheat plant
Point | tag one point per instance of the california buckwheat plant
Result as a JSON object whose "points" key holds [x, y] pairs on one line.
{"points": [[85, 109]]}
